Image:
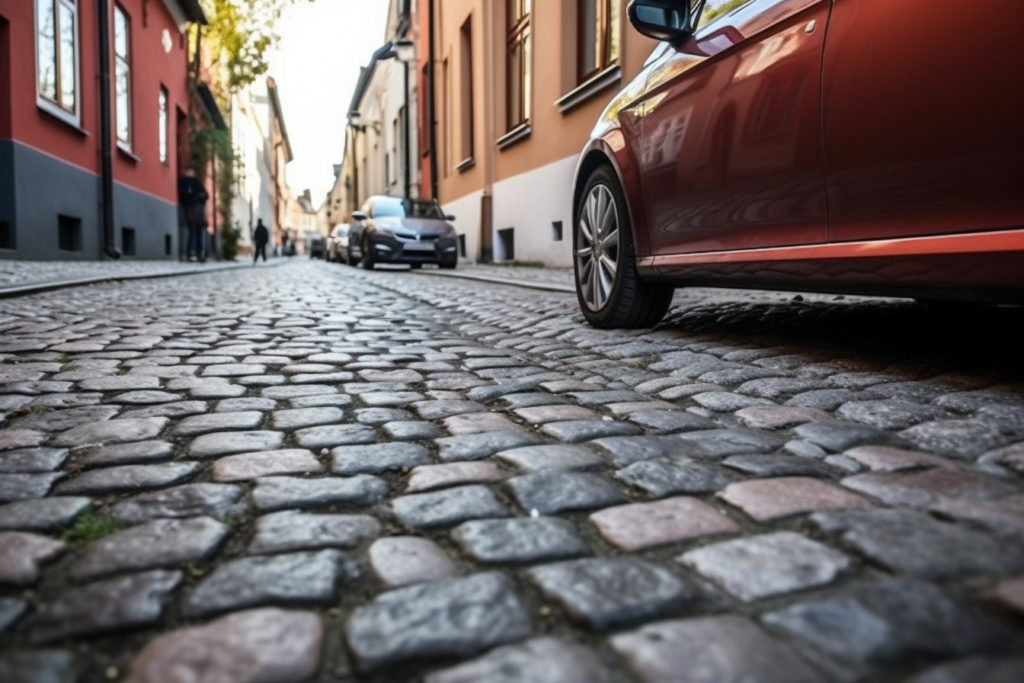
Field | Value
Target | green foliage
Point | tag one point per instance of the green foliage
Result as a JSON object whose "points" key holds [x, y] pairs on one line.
{"points": [[214, 144], [229, 236], [89, 527], [711, 13], [241, 33]]}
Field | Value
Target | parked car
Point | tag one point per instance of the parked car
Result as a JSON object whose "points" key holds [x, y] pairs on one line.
{"points": [[754, 150], [337, 243], [401, 230], [316, 246]]}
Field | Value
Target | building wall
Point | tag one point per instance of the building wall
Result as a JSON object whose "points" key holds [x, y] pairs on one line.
{"points": [[528, 181], [529, 204], [52, 165]]}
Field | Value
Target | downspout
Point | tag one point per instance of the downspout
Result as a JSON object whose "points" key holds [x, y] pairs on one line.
{"points": [[432, 105], [106, 141]]}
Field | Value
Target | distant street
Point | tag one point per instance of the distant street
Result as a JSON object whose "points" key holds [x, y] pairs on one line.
{"points": [[308, 471]]}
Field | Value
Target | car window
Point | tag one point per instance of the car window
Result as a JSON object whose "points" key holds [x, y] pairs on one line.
{"points": [[401, 208], [713, 9]]}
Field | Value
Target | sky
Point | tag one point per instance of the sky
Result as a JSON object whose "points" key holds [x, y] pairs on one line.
{"points": [[316, 66]]}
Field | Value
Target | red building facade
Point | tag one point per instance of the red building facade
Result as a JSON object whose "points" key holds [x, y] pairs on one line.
{"points": [[52, 170]]}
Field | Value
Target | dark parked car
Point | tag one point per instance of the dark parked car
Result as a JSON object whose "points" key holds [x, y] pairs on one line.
{"points": [[316, 245], [865, 146], [337, 244], [401, 230]]}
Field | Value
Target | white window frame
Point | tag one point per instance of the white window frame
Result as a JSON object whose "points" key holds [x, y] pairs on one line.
{"points": [[48, 105], [163, 113], [125, 144]]}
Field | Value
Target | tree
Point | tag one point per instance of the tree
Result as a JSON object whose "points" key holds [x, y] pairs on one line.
{"points": [[239, 35]]}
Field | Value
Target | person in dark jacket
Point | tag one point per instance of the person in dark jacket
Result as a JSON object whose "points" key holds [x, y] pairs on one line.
{"points": [[192, 197], [260, 237]]}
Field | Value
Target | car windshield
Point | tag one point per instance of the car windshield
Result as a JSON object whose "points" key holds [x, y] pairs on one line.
{"points": [[407, 208]]}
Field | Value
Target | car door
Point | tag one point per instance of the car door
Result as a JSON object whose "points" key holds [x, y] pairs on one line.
{"points": [[730, 150], [923, 111]]}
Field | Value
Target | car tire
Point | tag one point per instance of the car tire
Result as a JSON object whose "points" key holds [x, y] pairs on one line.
{"points": [[350, 258], [448, 264], [415, 266], [367, 260], [608, 286]]}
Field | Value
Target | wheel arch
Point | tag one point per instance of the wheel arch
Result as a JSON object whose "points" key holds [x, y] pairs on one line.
{"points": [[599, 153]]}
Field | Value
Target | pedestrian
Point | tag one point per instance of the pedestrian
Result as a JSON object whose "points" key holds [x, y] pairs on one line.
{"points": [[192, 197], [260, 237]]}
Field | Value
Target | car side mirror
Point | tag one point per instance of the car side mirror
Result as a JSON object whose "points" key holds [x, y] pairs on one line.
{"points": [[359, 216], [449, 217], [663, 19]]}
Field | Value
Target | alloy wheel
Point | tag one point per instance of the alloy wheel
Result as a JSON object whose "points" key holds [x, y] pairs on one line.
{"points": [[597, 250]]}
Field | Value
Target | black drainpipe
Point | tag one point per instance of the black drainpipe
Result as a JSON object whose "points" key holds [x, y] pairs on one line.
{"points": [[106, 159], [432, 127]]}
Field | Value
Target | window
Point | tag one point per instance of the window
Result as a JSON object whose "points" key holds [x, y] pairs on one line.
{"points": [[69, 233], [57, 56], [162, 124], [466, 47], [599, 22], [128, 241], [518, 77], [122, 77], [6, 235]]}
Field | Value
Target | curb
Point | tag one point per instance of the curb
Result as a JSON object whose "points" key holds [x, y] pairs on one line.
{"points": [[543, 286], [38, 287]]}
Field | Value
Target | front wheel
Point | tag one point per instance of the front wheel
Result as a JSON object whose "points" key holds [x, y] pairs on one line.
{"points": [[608, 286], [367, 250], [449, 264]]}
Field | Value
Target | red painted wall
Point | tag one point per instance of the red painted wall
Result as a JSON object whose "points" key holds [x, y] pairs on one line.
{"points": [[151, 67], [5, 78], [33, 126]]}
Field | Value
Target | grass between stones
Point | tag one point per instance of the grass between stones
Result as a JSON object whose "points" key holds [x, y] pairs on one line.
{"points": [[89, 527]]}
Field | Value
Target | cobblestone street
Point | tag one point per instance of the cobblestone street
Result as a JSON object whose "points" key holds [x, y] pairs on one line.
{"points": [[316, 472]]}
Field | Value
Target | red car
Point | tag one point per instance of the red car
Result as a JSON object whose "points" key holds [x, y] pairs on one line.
{"points": [[868, 146]]}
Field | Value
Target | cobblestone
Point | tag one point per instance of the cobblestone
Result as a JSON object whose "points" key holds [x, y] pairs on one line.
{"points": [[665, 476], [478, 446], [428, 477], [378, 458], [679, 651], [643, 525], [309, 578], [190, 500], [265, 463], [32, 460], [22, 553], [553, 491], [448, 506], [256, 645], [104, 606], [913, 543], [764, 566], [886, 621], [278, 493], [158, 543], [539, 660], [909, 444], [520, 540], [128, 478], [452, 617], [604, 593], [286, 531], [404, 560], [784, 496]]}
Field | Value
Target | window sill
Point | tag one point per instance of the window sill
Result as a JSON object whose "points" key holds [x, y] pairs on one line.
{"points": [[589, 88], [127, 153], [61, 116], [465, 164], [520, 132]]}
